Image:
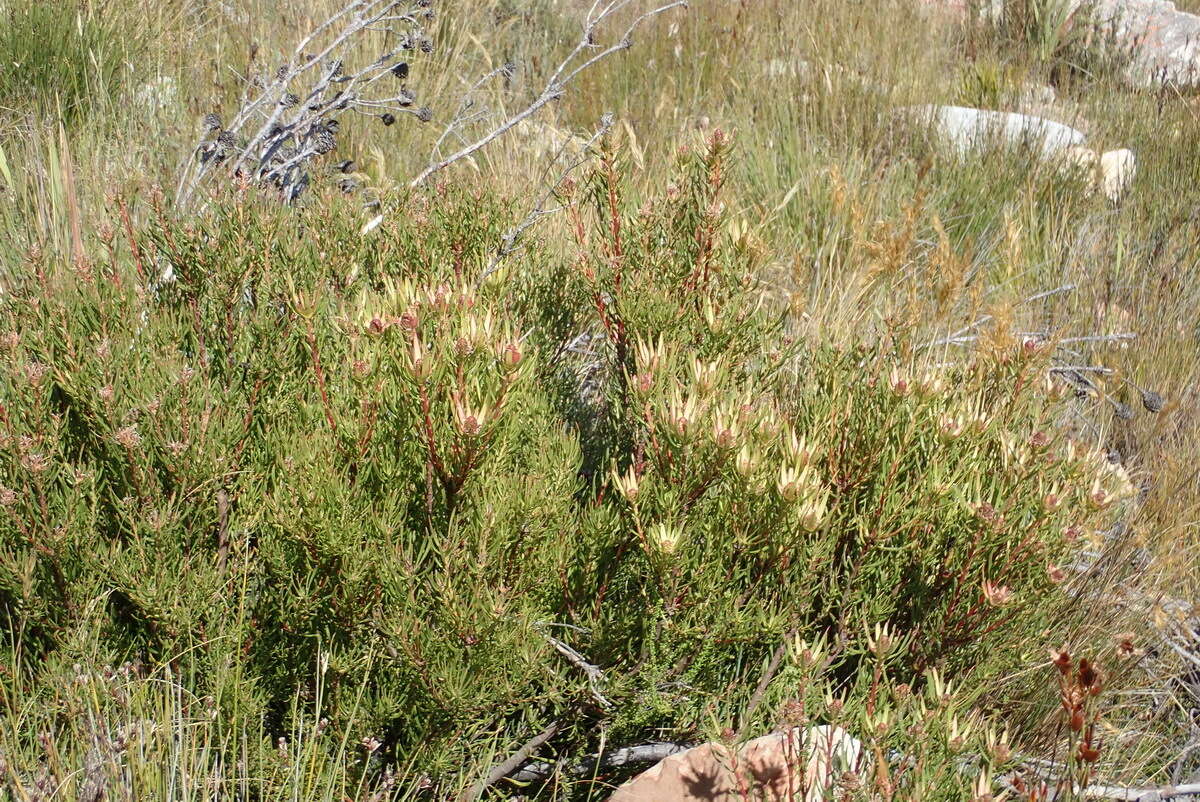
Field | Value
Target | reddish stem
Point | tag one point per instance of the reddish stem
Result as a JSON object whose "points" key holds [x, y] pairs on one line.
{"points": [[319, 373]]}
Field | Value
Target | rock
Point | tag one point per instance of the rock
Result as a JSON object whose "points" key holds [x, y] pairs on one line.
{"points": [[1112, 172], [764, 768], [1117, 170], [966, 129], [1038, 96], [989, 10], [1078, 157], [787, 68], [830, 77], [1037, 100], [1164, 41]]}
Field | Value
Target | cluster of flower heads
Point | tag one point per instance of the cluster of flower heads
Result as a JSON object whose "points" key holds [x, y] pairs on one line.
{"points": [[446, 330], [292, 119], [1091, 476], [695, 424]]}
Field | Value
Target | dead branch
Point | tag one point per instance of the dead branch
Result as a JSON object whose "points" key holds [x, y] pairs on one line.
{"points": [[593, 672], [510, 765], [511, 241], [556, 85], [222, 529], [613, 759], [285, 121]]}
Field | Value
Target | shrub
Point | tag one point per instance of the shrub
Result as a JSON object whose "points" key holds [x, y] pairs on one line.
{"points": [[318, 475]]}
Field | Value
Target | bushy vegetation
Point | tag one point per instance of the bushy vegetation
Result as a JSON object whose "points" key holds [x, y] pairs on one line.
{"points": [[294, 508], [309, 454]]}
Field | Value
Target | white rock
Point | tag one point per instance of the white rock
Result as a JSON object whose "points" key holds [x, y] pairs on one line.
{"points": [[1112, 173], [1117, 170], [966, 129], [762, 768], [831, 752], [787, 68], [1162, 40], [1079, 157], [1038, 96]]}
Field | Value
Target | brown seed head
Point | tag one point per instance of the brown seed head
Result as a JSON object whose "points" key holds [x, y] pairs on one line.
{"points": [[1061, 659], [1087, 673]]}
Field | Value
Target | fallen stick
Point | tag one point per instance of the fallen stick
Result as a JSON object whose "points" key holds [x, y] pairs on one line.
{"points": [[518, 757]]}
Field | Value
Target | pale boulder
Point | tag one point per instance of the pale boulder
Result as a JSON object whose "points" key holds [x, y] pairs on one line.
{"points": [[160, 93], [1161, 41], [1080, 157], [1117, 171], [966, 129], [1112, 172], [768, 768]]}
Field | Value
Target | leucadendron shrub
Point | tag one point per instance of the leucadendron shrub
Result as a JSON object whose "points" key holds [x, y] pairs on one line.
{"points": [[306, 475]]}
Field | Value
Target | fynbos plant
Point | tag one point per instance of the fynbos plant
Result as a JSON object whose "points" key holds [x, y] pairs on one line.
{"points": [[581, 502]]}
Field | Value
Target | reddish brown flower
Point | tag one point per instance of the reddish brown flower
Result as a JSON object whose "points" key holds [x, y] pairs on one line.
{"points": [[1061, 659], [1125, 646], [1087, 673]]}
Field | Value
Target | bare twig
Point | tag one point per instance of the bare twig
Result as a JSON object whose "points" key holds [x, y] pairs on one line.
{"points": [[960, 336], [222, 529], [511, 241], [556, 86], [595, 675], [1102, 338], [510, 765], [1142, 794], [295, 126], [612, 759], [467, 102], [1182, 652], [1082, 369], [1131, 793]]}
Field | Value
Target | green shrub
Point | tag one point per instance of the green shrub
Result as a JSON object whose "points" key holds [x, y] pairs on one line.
{"points": [[320, 475]]}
